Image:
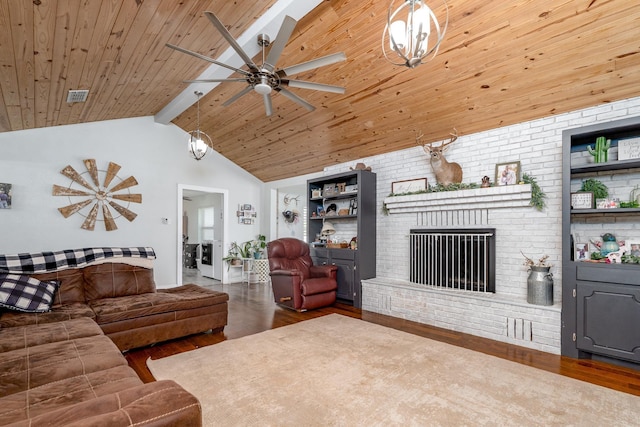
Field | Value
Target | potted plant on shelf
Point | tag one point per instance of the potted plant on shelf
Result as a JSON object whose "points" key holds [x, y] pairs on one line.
{"points": [[258, 246], [599, 190], [233, 255]]}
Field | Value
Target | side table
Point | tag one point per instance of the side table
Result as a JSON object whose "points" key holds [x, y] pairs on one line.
{"points": [[257, 269], [261, 268]]}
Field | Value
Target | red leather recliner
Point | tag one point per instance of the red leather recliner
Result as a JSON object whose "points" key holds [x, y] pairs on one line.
{"points": [[296, 282]]}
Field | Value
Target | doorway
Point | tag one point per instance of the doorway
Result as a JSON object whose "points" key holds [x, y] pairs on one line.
{"points": [[191, 231]]}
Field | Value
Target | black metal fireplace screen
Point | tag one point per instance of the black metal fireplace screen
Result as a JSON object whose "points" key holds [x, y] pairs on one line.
{"points": [[462, 259]]}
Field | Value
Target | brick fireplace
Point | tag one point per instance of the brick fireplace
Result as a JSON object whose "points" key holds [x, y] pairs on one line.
{"points": [[504, 315], [495, 314]]}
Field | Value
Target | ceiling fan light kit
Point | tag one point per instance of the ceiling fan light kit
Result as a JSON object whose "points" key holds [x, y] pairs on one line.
{"points": [[413, 33], [266, 78]]}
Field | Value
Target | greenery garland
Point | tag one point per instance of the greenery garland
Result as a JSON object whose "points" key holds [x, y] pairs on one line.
{"points": [[537, 195]]}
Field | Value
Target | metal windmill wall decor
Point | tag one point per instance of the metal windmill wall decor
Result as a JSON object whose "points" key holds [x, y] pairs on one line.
{"points": [[110, 193]]}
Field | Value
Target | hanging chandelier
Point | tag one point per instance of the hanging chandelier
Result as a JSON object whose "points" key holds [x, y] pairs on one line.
{"points": [[413, 34], [199, 142]]}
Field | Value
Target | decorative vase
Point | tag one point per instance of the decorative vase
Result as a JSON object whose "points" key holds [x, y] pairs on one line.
{"points": [[540, 286]]}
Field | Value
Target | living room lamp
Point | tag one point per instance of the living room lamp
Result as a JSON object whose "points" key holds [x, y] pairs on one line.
{"points": [[413, 32], [199, 142], [327, 229]]}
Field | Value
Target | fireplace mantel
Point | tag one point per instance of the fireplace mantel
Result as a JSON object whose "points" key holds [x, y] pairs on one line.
{"points": [[508, 196]]}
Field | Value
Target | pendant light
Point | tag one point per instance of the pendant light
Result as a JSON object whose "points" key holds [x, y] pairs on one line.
{"points": [[199, 142], [413, 34]]}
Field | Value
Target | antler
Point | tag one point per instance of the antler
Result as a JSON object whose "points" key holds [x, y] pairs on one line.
{"points": [[418, 137], [453, 138]]}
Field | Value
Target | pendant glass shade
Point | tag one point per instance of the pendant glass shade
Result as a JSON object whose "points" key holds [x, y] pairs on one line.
{"points": [[199, 142], [413, 32]]}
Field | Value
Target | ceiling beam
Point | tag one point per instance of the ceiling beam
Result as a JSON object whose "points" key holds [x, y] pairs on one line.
{"points": [[269, 24]]}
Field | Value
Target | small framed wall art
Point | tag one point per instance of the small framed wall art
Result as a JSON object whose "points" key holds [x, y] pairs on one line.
{"points": [[507, 173], [409, 186], [246, 214], [5, 195], [633, 247], [629, 148], [582, 252], [582, 200]]}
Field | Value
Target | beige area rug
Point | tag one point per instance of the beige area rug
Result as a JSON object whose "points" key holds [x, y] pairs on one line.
{"points": [[339, 371]]}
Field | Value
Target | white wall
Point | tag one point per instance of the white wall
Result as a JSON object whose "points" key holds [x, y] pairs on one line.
{"points": [[269, 221], [155, 154]]}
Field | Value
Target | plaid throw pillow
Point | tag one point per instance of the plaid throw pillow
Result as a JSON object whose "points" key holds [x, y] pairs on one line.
{"points": [[24, 293]]}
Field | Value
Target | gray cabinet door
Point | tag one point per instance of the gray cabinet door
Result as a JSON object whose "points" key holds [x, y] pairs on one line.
{"points": [[608, 318], [345, 278]]}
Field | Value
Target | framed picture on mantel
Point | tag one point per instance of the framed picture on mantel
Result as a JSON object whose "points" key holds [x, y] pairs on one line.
{"points": [[409, 186]]}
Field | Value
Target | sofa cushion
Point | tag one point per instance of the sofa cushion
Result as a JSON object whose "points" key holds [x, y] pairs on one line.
{"points": [[21, 337], [158, 403], [184, 297], [38, 401], [71, 287], [10, 319], [23, 293], [114, 280], [28, 368]]}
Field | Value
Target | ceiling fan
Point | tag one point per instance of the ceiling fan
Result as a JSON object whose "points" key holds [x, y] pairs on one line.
{"points": [[266, 78]]}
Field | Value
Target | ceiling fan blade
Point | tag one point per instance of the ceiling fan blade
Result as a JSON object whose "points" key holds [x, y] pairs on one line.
{"points": [[58, 190], [235, 97], [71, 173], [90, 221], [129, 182], [109, 223], [234, 44], [295, 98], [284, 33], [214, 80], [314, 86], [69, 210], [314, 63], [135, 198], [112, 171], [206, 58], [90, 164], [123, 211], [267, 104]]}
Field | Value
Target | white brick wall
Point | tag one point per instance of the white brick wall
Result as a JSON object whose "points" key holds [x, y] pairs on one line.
{"points": [[538, 146]]}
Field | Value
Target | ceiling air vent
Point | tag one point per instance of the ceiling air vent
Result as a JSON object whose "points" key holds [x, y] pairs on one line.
{"points": [[77, 95]]}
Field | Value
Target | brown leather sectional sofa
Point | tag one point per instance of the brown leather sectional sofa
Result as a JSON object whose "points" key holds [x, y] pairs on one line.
{"points": [[65, 367]]}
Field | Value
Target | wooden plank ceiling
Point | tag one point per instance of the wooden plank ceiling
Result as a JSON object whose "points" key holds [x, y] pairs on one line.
{"points": [[500, 63]]}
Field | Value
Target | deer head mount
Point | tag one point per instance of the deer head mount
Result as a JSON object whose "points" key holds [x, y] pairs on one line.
{"points": [[446, 173]]}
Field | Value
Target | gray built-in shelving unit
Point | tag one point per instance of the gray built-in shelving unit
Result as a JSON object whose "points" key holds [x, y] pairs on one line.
{"points": [[600, 302], [356, 204]]}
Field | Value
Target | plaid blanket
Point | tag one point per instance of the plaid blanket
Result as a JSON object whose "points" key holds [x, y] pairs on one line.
{"points": [[43, 262]]}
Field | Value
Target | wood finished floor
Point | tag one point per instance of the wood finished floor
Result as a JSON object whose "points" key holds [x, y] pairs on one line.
{"points": [[252, 310]]}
